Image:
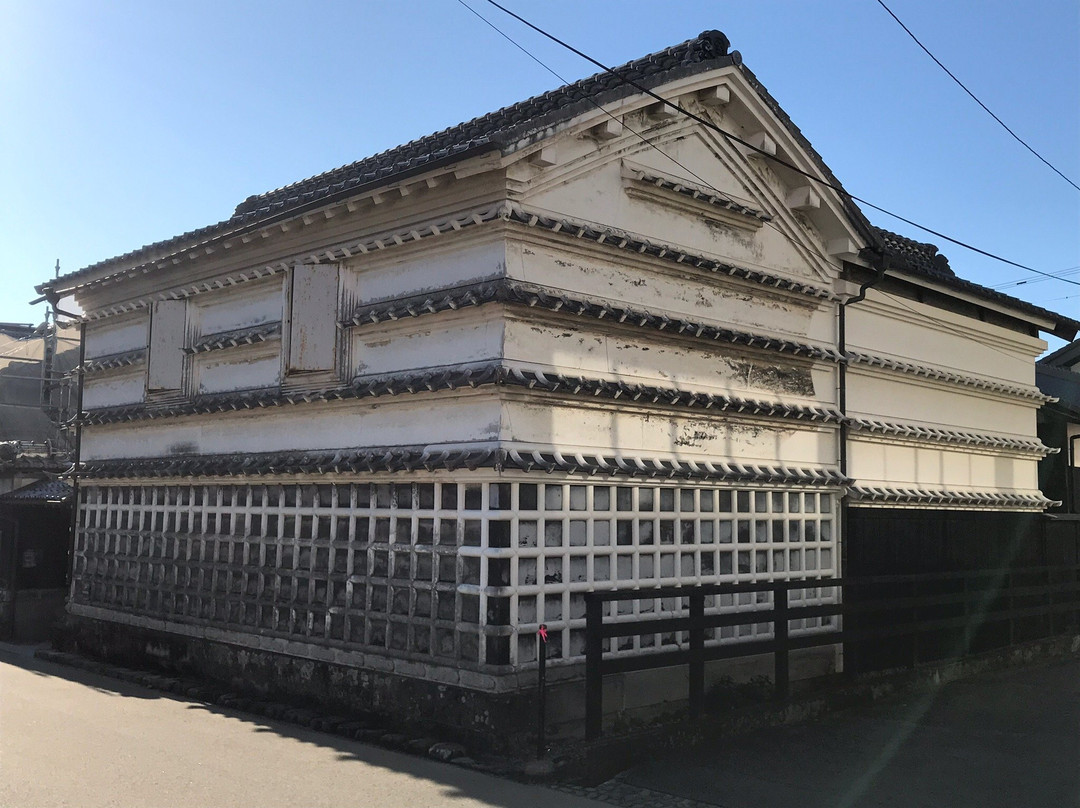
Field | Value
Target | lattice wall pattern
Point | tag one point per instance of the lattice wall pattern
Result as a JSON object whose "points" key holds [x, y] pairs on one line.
{"points": [[458, 573]]}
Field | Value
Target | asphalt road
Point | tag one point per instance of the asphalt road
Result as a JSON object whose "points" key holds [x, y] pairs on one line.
{"points": [[70, 738], [1009, 739]]}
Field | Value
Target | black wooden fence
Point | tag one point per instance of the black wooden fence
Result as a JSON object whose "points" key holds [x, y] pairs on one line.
{"points": [[939, 615]]}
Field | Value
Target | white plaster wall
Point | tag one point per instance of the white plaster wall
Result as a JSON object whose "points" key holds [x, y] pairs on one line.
{"points": [[237, 368], [402, 272], [442, 419], [889, 396], [117, 335], [646, 357], [694, 294], [248, 305], [115, 388], [632, 431], [914, 332], [874, 462], [592, 188], [448, 338]]}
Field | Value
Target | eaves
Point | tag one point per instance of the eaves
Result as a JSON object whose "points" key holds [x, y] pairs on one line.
{"points": [[968, 292]]}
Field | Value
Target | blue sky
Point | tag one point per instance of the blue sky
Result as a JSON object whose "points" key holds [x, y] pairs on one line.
{"points": [[123, 123]]}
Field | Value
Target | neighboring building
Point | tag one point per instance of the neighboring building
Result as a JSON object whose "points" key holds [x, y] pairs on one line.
{"points": [[394, 417], [36, 403], [1058, 375], [36, 400]]}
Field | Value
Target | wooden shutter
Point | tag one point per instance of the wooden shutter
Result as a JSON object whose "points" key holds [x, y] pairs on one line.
{"points": [[313, 320]]}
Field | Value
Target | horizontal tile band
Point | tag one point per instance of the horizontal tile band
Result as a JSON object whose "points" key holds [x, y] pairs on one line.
{"points": [[492, 374], [419, 458]]}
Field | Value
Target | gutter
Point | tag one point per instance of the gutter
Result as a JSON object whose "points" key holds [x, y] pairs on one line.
{"points": [[883, 267], [841, 396], [1070, 485]]}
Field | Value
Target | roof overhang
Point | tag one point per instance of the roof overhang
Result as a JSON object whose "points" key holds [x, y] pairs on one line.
{"points": [[1059, 327]]}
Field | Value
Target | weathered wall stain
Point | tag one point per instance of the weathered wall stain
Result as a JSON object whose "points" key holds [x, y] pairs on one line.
{"points": [[776, 377]]}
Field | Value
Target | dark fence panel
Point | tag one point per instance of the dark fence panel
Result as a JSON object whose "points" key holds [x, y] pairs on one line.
{"points": [[896, 541], [929, 617]]}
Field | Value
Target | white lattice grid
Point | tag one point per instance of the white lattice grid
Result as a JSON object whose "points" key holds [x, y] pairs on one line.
{"points": [[580, 537], [442, 571]]}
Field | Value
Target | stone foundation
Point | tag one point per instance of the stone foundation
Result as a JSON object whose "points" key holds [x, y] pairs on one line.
{"points": [[481, 720]]}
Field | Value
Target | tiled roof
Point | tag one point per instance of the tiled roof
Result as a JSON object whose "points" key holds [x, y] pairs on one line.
{"points": [[1064, 357], [34, 463], [506, 290], [920, 432], [413, 458], [501, 129], [235, 338], [504, 127], [924, 259], [928, 372], [938, 498], [509, 127], [41, 491], [914, 255], [459, 378], [115, 360]]}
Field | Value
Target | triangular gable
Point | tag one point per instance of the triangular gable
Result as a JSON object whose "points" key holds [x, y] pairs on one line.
{"points": [[667, 177]]}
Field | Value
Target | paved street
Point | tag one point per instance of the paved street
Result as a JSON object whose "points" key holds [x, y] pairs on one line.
{"points": [[69, 738], [1009, 739]]}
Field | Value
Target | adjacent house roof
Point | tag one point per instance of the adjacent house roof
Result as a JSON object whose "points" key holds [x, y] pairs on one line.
{"points": [[1055, 377], [1064, 357], [507, 129], [43, 491]]}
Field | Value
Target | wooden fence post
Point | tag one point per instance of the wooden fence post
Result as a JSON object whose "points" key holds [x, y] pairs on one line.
{"points": [[780, 634], [594, 677], [697, 655]]}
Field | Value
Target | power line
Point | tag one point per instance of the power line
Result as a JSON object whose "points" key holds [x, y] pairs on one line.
{"points": [[963, 87], [1021, 281], [947, 326], [1066, 297], [731, 137], [637, 134]]}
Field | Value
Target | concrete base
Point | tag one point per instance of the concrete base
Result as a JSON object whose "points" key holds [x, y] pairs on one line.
{"points": [[495, 719], [496, 722]]}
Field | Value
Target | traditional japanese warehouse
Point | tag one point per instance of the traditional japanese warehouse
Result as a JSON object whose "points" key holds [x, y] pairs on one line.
{"points": [[388, 420]]}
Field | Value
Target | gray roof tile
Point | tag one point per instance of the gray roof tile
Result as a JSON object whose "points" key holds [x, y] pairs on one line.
{"points": [[506, 127], [496, 130], [41, 491]]}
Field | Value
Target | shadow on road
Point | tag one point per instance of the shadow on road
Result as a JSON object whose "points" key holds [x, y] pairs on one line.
{"points": [[1008, 739], [22, 656], [454, 784]]}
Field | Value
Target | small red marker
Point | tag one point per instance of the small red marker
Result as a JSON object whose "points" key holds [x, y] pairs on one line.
{"points": [[542, 631]]}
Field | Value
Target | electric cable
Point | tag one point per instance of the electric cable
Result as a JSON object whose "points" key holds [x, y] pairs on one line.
{"points": [[735, 138], [947, 326], [1022, 281], [640, 136], [963, 87]]}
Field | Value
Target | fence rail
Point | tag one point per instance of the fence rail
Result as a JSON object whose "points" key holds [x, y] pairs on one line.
{"points": [[914, 606]]}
